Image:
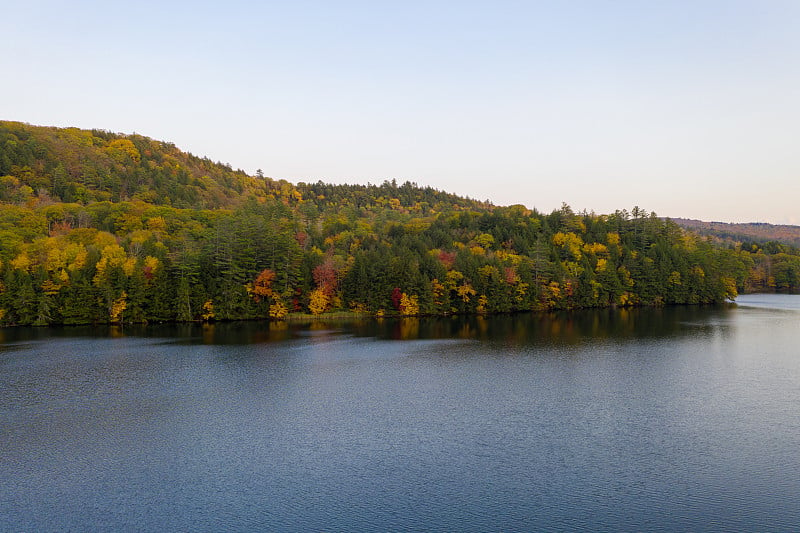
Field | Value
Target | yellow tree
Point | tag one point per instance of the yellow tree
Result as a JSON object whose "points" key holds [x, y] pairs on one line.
{"points": [[208, 311], [409, 305], [319, 301], [117, 308], [278, 310]]}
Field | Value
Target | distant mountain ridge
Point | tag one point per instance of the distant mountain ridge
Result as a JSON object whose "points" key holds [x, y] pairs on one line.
{"points": [[752, 231]]}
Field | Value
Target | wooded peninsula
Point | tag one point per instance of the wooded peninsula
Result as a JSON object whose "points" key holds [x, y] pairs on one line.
{"points": [[98, 227]]}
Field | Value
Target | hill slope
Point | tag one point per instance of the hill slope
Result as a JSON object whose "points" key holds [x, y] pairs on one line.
{"points": [[754, 231], [99, 227], [71, 165]]}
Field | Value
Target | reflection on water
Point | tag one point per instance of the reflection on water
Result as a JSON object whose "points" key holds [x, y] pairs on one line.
{"points": [[523, 328], [679, 418], [564, 327]]}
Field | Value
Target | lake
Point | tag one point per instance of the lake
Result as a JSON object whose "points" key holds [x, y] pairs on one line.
{"points": [[671, 419]]}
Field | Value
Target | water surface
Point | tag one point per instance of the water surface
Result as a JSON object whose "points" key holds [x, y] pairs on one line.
{"points": [[667, 419]]}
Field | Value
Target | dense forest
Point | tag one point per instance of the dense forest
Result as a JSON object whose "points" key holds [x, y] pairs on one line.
{"points": [[97, 227]]}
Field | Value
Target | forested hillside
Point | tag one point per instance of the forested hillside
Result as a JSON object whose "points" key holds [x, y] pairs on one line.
{"points": [[100, 227], [753, 231]]}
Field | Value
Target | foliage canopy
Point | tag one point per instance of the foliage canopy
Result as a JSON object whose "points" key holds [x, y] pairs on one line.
{"points": [[101, 227]]}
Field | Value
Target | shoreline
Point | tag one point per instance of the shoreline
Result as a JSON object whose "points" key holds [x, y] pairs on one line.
{"points": [[347, 316]]}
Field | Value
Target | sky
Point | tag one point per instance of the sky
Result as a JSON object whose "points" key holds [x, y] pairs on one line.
{"points": [[689, 109]]}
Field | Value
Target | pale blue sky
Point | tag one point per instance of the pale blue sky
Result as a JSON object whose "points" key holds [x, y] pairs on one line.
{"points": [[689, 109]]}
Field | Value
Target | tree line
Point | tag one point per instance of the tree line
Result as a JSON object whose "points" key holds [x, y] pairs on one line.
{"points": [[259, 248]]}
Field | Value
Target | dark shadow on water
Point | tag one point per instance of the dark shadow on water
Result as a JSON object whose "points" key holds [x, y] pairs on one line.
{"points": [[566, 327]]}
